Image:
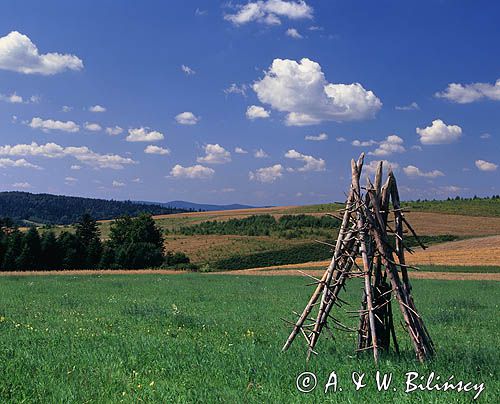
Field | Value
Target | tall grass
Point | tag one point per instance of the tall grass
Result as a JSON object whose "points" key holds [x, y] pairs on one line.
{"points": [[216, 338]]}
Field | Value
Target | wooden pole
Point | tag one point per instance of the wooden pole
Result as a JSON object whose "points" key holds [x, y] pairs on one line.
{"points": [[338, 248], [366, 264]]}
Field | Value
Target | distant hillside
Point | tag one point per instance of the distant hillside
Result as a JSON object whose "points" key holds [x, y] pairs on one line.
{"points": [[60, 209], [199, 206]]}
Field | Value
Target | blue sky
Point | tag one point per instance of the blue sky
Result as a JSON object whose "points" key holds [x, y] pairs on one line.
{"points": [[412, 83]]}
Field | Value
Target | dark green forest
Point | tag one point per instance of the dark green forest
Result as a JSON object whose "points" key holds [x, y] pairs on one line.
{"points": [[60, 209], [134, 243]]}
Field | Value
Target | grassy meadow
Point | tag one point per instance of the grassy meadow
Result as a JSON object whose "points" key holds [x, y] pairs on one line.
{"points": [[217, 338], [470, 207]]}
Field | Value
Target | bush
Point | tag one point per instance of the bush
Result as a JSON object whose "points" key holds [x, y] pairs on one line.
{"points": [[138, 256], [176, 258]]}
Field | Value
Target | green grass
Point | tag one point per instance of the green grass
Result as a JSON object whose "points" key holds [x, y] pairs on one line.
{"points": [[459, 268], [467, 207], [320, 208], [216, 338]]}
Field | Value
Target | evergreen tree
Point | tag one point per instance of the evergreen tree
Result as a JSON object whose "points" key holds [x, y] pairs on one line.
{"points": [[3, 243], [89, 239], [13, 247], [29, 258], [70, 250], [50, 258], [108, 257]]}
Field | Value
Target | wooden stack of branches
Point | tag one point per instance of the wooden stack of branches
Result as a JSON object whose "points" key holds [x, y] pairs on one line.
{"points": [[363, 249]]}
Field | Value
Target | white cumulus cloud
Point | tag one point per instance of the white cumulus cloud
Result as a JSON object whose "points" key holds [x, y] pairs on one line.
{"points": [[301, 90], [363, 143], [410, 107], [240, 150], [143, 135], [12, 98], [318, 138], [293, 33], [92, 126], [152, 149], [20, 163], [486, 165], [187, 118], [267, 174], [22, 185], [439, 133], [467, 93], [391, 144], [187, 70], [270, 11], [194, 172], [114, 130], [97, 108], [257, 112], [371, 167], [412, 171], [81, 153], [117, 184], [19, 54], [50, 124], [236, 89], [214, 154], [260, 154], [310, 163]]}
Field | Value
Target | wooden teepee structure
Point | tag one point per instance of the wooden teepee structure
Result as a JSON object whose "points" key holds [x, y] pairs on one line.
{"points": [[364, 249]]}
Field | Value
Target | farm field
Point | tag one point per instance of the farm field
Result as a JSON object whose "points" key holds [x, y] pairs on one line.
{"points": [[468, 207], [203, 248], [431, 219], [204, 338], [480, 252]]}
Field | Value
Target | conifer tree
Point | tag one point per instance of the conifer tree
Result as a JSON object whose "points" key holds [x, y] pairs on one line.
{"points": [[29, 258]]}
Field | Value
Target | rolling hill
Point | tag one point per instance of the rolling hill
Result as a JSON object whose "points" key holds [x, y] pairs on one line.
{"points": [[25, 207], [199, 206]]}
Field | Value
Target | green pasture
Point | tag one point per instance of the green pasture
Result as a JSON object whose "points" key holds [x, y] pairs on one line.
{"points": [[217, 339]]}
